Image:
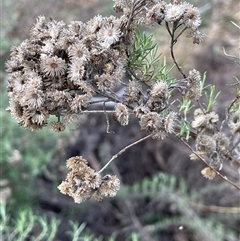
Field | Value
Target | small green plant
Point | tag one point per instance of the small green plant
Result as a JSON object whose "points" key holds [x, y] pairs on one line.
{"points": [[167, 189], [25, 225], [144, 57], [22, 227]]}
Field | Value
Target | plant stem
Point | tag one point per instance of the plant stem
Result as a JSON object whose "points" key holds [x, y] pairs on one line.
{"points": [[123, 150], [173, 41], [218, 173]]}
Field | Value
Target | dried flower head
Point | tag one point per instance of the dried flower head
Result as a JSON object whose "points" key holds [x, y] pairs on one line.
{"points": [[199, 118], [77, 181], [206, 144], [77, 27], [53, 66], [121, 114], [150, 121], [173, 12], [208, 173], [211, 120], [222, 140], [48, 48], [34, 98], [82, 182], [78, 102], [159, 89], [156, 13], [156, 104], [192, 91], [108, 68], [109, 34], [37, 116], [108, 188], [18, 82], [206, 121], [94, 24], [169, 122], [76, 71], [132, 92], [141, 110], [197, 36], [16, 110], [57, 126], [194, 77], [194, 157], [191, 18], [104, 82], [79, 52]]}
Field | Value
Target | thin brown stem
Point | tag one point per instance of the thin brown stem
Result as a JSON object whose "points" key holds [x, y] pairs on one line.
{"points": [[173, 41], [107, 120], [123, 150], [134, 7], [232, 103], [180, 34], [212, 168], [168, 29], [212, 208]]}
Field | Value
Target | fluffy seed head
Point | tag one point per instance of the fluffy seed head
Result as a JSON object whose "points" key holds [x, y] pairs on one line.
{"points": [[109, 34], [57, 126], [208, 173], [53, 66], [121, 114], [159, 89], [169, 122], [191, 17], [173, 12]]}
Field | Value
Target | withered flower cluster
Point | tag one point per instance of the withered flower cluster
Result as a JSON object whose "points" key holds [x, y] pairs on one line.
{"points": [[211, 144], [62, 67], [83, 183], [191, 89]]}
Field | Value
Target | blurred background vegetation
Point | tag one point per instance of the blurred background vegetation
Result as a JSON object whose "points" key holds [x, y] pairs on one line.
{"points": [[163, 195]]}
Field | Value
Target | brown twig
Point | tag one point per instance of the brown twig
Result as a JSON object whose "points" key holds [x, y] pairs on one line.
{"points": [[212, 208], [107, 120], [123, 150], [135, 6], [232, 103], [173, 41], [212, 168]]}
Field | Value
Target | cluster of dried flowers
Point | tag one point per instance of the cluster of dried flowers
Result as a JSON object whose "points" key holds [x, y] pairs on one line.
{"points": [[211, 143], [61, 68], [83, 183]]}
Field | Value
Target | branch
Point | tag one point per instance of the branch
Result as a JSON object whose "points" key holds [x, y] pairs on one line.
{"points": [[107, 120], [123, 150], [232, 103], [96, 111], [228, 55], [212, 208], [173, 41], [218, 173], [135, 6]]}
